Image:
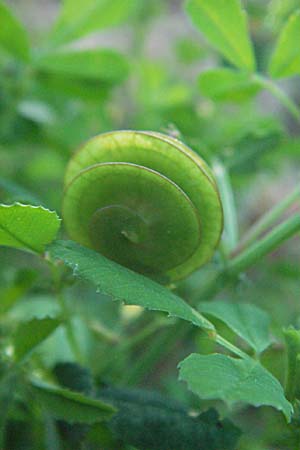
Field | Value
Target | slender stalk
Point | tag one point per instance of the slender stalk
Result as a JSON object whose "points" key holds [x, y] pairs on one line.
{"points": [[231, 347], [102, 332], [248, 257], [292, 340], [268, 219], [57, 284], [265, 245], [230, 216], [277, 92], [161, 346], [69, 329]]}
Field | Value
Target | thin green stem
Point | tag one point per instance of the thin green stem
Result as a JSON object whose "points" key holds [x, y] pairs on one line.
{"points": [[231, 347], [147, 331], [292, 340], [69, 329], [248, 257], [57, 283], [230, 216], [162, 345], [277, 92], [102, 332], [265, 245], [268, 219]]}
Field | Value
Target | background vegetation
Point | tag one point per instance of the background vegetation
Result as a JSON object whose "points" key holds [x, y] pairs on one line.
{"points": [[67, 74]]}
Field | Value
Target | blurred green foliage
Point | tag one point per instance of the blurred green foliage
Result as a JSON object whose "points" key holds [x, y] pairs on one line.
{"points": [[106, 65]]}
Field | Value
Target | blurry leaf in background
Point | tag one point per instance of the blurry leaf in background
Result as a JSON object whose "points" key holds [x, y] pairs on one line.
{"points": [[69, 405], [286, 57], [227, 85], [13, 37], [96, 64], [250, 150], [36, 111], [34, 307], [158, 89], [29, 335], [278, 12], [81, 17], [22, 282], [233, 380], [189, 51], [246, 320], [27, 227], [47, 166], [56, 85], [224, 24], [11, 191]]}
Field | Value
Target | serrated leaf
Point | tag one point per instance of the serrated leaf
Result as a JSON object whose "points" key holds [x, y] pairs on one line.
{"points": [[71, 406], [91, 64], [227, 84], [233, 380], [246, 320], [286, 57], [27, 227], [81, 17], [122, 284], [30, 334], [224, 24], [13, 37]]}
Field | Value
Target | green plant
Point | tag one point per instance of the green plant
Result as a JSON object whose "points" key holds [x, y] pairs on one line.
{"points": [[139, 194], [145, 213]]}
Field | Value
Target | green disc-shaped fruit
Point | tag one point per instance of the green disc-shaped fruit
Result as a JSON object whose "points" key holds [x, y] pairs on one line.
{"points": [[144, 200]]}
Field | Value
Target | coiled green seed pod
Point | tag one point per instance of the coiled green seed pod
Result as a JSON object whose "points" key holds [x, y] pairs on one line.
{"points": [[144, 200]]}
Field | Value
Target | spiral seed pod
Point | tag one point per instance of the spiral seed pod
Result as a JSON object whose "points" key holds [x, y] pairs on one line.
{"points": [[144, 200]]}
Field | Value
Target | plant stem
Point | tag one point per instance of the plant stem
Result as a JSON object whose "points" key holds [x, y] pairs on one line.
{"points": [[268, 219], [69, 329], [57, 283], [231, 347], [161, 346], [230, 217], [292, 340], [265, 245], [277, 92], [102, 332], [248, 257]]}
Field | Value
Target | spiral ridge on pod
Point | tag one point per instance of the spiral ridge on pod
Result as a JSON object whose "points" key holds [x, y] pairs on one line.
{"points": [[144, 200]]}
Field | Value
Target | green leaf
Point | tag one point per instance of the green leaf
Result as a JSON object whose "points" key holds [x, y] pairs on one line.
{"points": [[224, 24], [227, 84], [233, 380], [92, 64], [27, 227], [13, 37], [69, 405], [285, 60], [246, 320], [122, 284], [81, 17], [30, 334]]}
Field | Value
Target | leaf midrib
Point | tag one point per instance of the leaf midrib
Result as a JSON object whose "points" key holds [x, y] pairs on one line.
{"points": [[18, 239], [235, 49]]}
